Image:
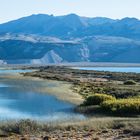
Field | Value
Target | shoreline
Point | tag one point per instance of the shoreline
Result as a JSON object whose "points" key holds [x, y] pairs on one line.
{"points": [[65, 93], [95, 127], [73, 64]]}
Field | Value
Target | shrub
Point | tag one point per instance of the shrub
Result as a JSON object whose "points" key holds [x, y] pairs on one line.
{"points": [[27, 126], [97, 99], [129, 82], [122, 106], [21, 127]]}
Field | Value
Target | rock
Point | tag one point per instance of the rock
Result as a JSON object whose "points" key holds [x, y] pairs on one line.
{"points": [[127, 131], [3, 135], [104, 131], [47, 138], [96, 138], [24, 139], [136, 133]]}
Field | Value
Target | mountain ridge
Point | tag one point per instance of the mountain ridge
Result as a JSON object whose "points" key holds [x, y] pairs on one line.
{"points": [[70, 38], [72, 25]]}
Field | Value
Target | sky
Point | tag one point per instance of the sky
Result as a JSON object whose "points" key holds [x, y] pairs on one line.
{"points": [[116, 9]]}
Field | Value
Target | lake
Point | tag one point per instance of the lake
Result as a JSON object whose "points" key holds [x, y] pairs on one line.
{"points": [[22, 99], [112, 69]]}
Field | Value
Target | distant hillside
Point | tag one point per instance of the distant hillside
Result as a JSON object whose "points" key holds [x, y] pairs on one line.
{"points": [[70, 38], [72, 25], [34, 49]]}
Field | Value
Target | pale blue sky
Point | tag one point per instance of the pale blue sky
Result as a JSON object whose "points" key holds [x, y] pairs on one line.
{"points": [[13, 9]]}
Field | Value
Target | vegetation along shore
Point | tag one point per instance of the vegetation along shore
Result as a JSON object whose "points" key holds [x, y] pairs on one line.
{"points": [[109, 100]]}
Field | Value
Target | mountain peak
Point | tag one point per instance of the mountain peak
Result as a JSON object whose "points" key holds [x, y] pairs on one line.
{"points": [[39, 16], [128, 19], [72, 15]]}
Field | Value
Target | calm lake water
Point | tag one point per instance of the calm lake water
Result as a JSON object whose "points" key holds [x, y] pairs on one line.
{"points": [[112, 69], [22, 99], [8, 71]]}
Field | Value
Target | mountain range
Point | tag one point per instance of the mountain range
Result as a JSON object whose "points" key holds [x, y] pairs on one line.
{"points": [[41, 39]]}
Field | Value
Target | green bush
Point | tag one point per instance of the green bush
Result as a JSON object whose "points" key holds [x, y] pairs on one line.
{"points": [[97, 99], [129, 82], [122, 106]]}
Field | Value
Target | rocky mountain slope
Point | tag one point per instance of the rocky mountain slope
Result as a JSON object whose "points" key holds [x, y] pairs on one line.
{"points": [[53, 39], [40, 50]]}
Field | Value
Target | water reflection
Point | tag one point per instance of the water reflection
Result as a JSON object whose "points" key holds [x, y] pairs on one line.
{"points": [[20, 99]]}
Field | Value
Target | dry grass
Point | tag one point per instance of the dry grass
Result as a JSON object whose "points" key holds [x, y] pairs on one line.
{"points": [[101, 128]]}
